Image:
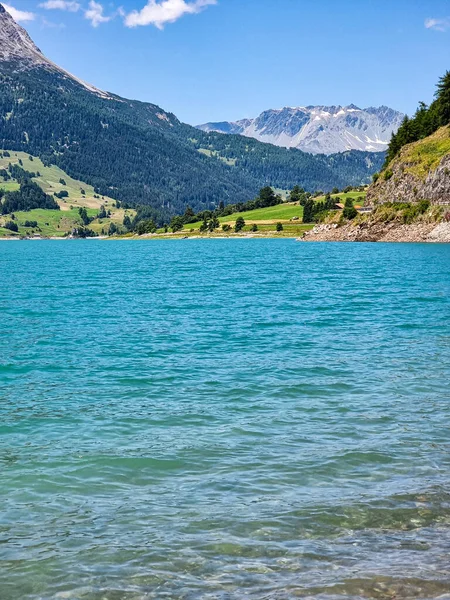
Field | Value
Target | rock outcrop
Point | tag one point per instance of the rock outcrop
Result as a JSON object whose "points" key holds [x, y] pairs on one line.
{"points": [[420, 172], [380, 232]]}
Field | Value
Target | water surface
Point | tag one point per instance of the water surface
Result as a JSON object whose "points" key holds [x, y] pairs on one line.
{"points": [[224, 419]]}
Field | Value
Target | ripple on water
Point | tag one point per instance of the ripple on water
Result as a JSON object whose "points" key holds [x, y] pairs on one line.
{"points": [[224, 419]]}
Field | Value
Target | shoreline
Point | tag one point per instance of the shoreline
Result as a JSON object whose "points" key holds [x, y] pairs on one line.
{"points": [[392, 232]]}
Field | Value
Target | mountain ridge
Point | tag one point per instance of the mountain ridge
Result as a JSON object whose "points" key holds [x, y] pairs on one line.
{"points": [[135, 151], [318, 129]]}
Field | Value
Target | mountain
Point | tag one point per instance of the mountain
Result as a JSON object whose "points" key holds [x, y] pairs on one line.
{"points": [[420, 171], [319, 129], [137, 152]]}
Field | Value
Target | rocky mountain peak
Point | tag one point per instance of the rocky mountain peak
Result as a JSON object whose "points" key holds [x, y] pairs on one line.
{"points": [[18, 50], [15, 43], [319, 129]]}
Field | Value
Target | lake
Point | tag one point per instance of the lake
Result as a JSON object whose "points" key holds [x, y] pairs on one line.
{"points": [[224, 419]]}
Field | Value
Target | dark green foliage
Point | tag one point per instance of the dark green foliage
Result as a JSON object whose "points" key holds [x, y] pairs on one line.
{"points": [[83, 232], [213, 224], [102, 214], [412, 211], [330, 203], [12, 226], [279, 227], [112, 229], [189, 215], [30, 224], [19, 174], [308, 211], [147, 157], [29, 196], [254, 227], [139, 158], [349, 212], [226, 227], [176, 224], [426, 120], [62, 182], [62, 194], [147, 226], [84, 216], [314, 212], [240, 224], [127, 223], [285, 168]]}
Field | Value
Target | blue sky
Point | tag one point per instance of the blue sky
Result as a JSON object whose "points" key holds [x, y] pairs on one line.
{"points": [[210, 60]]}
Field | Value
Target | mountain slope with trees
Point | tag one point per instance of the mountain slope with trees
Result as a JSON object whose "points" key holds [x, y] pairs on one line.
{"points": [[418, 163], [138, 153]]}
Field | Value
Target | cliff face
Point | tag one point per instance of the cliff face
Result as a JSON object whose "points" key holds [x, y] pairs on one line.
{"points": [[420, 172], [380, 232]]}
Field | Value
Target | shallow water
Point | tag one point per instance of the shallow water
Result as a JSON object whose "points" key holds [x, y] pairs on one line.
{"points": [[224, 419]]}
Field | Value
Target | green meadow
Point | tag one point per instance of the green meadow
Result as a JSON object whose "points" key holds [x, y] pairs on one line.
{"points": [[56, 223], [267, 218]]}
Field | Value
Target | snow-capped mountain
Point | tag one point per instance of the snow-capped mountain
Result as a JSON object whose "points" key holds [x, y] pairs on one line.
{"points": [[319, 129]]}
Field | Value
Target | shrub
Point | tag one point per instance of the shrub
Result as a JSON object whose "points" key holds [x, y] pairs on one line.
{"points": [[423, 206], [349, 213], [254, 227], [11, 226], [240, 224], [226, 227], [388, 174], [279, 227]]}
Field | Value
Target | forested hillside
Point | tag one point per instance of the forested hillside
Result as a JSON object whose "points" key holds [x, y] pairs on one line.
{"points": [[138, 153], [284, 168]]}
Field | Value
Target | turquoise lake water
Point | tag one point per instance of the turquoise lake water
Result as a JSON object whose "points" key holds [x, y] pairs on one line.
{"points": [[224, 419]]}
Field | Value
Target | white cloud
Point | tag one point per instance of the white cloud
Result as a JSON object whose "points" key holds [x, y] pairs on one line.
{"points": [[70, 5], [19, 15], [438, 24], [160, 12], [95, 14]]}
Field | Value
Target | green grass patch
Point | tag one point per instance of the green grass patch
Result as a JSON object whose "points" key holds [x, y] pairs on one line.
{"points": [[49, 181], [9, 186], [424, 156], [282, 213], [55, 223]]}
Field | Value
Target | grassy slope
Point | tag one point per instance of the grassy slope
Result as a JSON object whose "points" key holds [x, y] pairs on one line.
{"points": [[53, 222], [424, 156], [267, 218]]}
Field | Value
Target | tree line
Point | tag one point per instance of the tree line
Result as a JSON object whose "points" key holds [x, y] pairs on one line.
{"points": [[425, 121], [28, 197]]}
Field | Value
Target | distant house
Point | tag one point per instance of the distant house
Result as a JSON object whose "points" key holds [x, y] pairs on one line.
{"points": [[339, 205], [364, 209]]}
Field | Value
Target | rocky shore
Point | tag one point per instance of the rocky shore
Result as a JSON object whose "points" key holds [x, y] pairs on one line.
{"points": [[379, 232]]}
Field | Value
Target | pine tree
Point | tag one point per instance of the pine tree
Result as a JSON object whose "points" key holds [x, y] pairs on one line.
{"points": [[443, 99]]}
